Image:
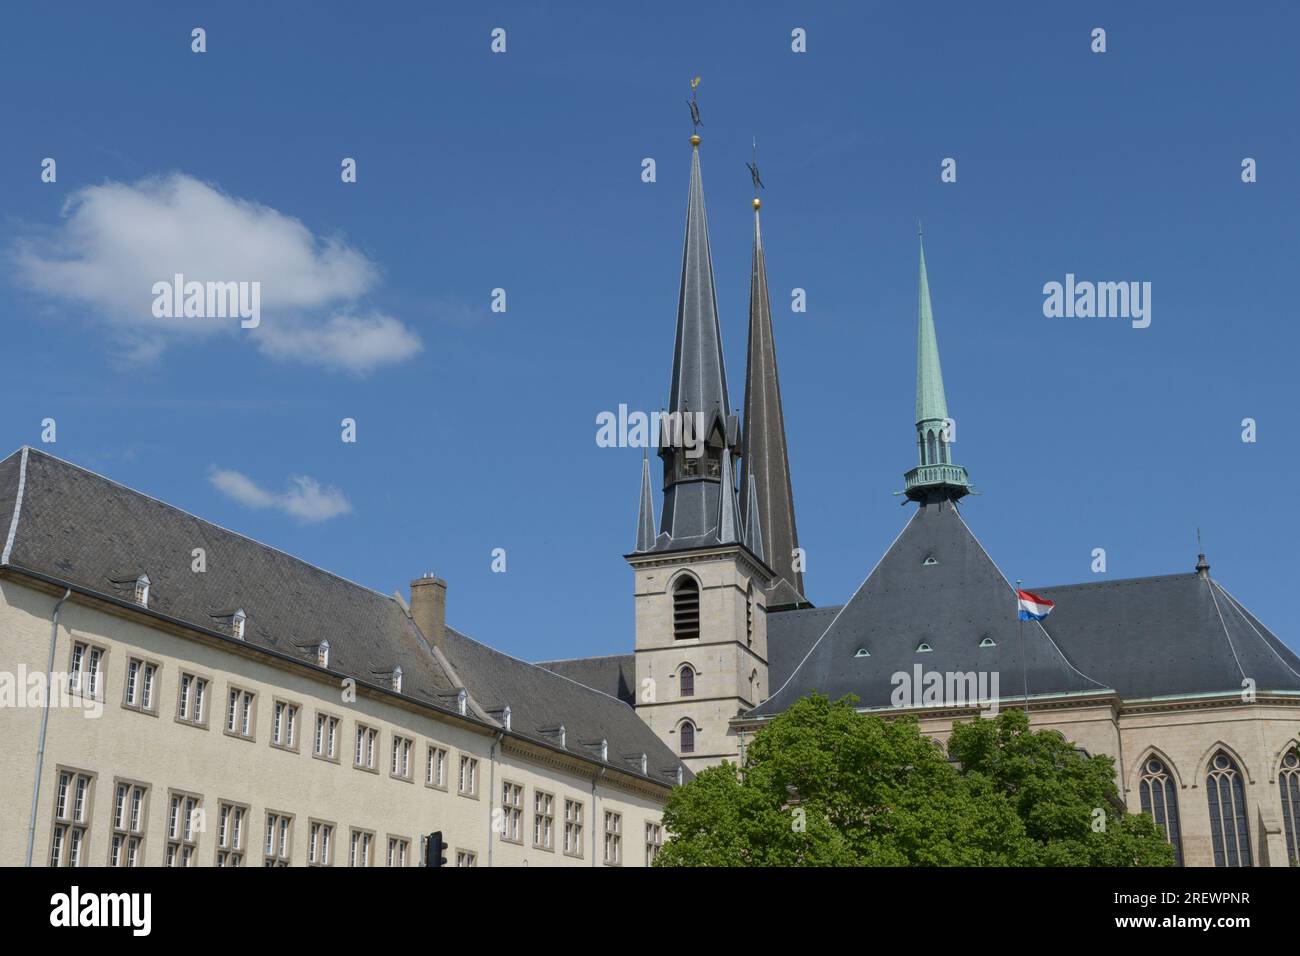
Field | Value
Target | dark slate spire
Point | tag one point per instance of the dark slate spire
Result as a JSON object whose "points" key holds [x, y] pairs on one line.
{"points": [[691, 513], [764, 459], [645, 519], [728, 526], [754, 530], [935, 474]]}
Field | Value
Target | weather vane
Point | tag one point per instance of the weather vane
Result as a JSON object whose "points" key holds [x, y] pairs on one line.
{"points": [[695, 108], [753, 171]]}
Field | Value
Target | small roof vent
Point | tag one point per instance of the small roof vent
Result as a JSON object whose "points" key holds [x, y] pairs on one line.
{"points": [[923, 648], [862, 652], [929, 561], [988, 642]]}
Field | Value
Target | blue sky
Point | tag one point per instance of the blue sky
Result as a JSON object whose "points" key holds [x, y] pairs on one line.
{"points": [[476, 430]]}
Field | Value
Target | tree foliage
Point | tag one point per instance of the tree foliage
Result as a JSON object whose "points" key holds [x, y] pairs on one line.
{"points": [[824, 785]]}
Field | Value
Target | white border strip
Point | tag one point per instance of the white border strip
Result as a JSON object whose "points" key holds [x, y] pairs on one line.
{"points": [[18, 507]]}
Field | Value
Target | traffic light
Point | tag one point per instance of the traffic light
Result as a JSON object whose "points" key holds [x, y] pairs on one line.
{"points": [[435, 849]]}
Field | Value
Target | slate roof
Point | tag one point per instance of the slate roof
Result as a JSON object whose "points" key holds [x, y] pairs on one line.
{"points": [[82, 529], [1165, 636], [951, 604], [1169, 636], [614, 674]]}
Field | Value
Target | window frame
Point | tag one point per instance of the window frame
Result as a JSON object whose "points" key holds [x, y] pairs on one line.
{"points": [[66, 820], [222, 840], [327, 717], [206, 703], [145, 663]]}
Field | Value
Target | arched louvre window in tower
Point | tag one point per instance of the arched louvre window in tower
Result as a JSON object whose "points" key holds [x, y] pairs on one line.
{"points": [[1229, 828], [931, 456], [1160, 801], [686, 609], [1288, 781]]}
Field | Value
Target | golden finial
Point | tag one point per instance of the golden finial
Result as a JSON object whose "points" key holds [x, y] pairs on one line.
{"points": [[758, 203], [695, 139]]}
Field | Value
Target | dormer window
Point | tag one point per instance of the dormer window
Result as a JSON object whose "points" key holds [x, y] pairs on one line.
{"points": [[505, 717], [397, 679], [923, 648], [142, 590], [563, 737], [686, 609], [644, 763], [323, 654], [988, 642], [604, 750], [862, 652], [929, 561], [462, 702], [237, 621]]}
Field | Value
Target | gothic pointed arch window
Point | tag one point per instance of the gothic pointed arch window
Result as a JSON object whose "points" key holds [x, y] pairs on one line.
{"points": [[686, 737], [754, 689], [1288, 782], [1160, 802], [1229, 828], [686, 608], [686, 681], [931, 457]]}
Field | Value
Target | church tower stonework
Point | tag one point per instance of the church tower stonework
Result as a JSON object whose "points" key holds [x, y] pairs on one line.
{"points": [[701, 584]]}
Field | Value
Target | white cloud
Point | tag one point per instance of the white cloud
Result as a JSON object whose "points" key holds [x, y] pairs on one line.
{"points": [[305, 498], [115, 240]]}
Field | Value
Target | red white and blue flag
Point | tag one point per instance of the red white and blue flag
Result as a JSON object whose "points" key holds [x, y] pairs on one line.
{"points": [[1033, 607]]}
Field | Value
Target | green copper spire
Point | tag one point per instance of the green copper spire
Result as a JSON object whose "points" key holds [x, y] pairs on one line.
{"points": [[935, 474], [930, 402]]}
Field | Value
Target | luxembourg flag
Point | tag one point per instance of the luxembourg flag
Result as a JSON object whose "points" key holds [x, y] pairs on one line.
{"points": [[1033, 607]]}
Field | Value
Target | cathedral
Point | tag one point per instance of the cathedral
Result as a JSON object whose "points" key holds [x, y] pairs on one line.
{"points": [[174, 693], [1195, 699]]}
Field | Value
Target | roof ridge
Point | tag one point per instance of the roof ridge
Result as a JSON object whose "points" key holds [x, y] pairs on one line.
{"points": [[210, 524], [1241, 612], [594, 657], [1113, 581]]}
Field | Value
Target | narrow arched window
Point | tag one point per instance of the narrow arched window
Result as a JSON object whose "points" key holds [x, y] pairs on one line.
{"points": [[687, 738], [1288, 781], [753, 686], [1160, 801], [1229, 829], [749, 613], [943, 450], [686, 609], [931, 456], [687, 685]]}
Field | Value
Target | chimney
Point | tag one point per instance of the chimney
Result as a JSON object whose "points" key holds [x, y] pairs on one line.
{"points": [[429, 608]]}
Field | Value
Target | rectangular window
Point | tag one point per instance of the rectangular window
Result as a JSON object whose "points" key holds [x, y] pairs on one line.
{"points": [[70, 832], [367, 742], [466, 858], [613, 838], [435, 769], [320, 845], [401, 762], [278, 844], [284, 727], [141, 679], [191, 703], [572, 827], [543, 820], [231, 819], [184, 818], [654, 841], [240, 712], [512, 811], [85, 675], [127, 845], [326, 744], [467, 782], [360, 852], [398, 850]]}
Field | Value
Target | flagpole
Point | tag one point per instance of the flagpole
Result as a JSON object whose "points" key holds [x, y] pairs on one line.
{"points": [[1024, 665]]}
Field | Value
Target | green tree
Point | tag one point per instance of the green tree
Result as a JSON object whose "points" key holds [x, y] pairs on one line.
{"points": [[1066, 798], [824, 785]]}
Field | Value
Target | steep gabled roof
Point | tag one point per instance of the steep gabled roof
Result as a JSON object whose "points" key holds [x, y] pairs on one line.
{"points": [[935, 586], [81, 529], [613, 674]]}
